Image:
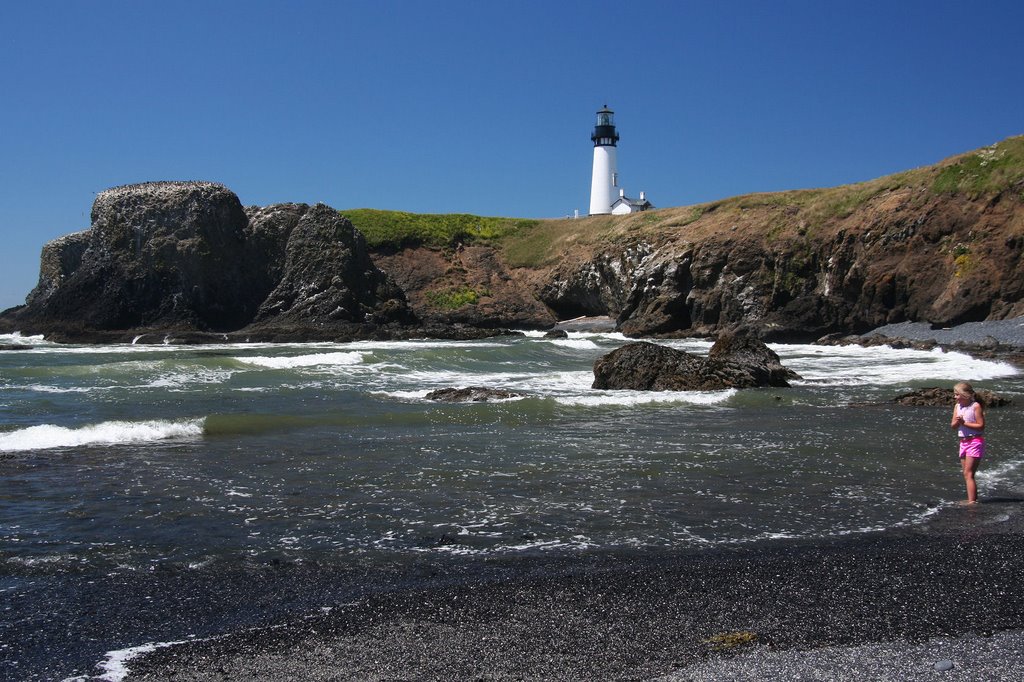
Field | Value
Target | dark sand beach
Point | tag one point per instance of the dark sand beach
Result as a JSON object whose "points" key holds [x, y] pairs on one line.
{"points": [[876, 606]]}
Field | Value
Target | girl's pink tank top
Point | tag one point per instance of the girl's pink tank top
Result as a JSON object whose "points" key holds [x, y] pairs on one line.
{"points": [[968, 413]]}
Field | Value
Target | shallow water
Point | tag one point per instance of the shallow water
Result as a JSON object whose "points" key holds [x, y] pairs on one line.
{"points": [[128, 461]]}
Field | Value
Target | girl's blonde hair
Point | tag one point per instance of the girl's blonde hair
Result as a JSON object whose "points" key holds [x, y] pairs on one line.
{"points": [[965, 388]]}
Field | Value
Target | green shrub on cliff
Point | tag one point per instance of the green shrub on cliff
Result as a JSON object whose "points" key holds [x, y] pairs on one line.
{"points": [[455, 298], [398, 229]]}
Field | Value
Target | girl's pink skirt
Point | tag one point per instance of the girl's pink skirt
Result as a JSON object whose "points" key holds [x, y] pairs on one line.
{"points": [[972, 447]]}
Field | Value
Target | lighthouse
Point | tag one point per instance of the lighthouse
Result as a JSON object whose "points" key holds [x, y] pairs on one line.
{"points": [[604, 182]]}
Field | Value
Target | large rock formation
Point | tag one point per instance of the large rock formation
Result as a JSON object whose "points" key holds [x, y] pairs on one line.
{"points": [[733, 362], [158, 254], [328, 277], [187, 256]]}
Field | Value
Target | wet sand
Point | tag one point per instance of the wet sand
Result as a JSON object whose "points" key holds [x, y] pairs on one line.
{"points": [[877, 606]]}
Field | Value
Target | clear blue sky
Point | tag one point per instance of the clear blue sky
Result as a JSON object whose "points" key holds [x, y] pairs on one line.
{"points": [[481, 106]]}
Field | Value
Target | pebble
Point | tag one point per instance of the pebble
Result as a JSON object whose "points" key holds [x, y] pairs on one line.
{"points": [[943, 666]]}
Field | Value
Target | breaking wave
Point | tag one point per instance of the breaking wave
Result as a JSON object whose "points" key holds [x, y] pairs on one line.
{"points": [[48, 436], [311, 360]]}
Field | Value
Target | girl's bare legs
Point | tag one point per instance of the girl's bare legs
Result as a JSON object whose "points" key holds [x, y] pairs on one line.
{"points": [[970, 465]]}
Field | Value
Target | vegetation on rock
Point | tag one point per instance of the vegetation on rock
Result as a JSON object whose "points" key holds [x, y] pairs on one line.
{"points": [[456, 297], [397, 229]]}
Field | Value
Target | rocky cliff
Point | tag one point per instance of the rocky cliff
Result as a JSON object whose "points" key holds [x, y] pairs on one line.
{"points": [[941, 244], [187, 257], [787, 272]]}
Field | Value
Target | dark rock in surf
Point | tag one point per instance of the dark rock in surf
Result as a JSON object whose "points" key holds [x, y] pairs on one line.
{"points": [[943, 397], [733, 362], [471, 394], [746, 361]]}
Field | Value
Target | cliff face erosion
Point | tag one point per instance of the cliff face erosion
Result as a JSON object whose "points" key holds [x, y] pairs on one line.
{"points": [[787, 273], [941, 244]]}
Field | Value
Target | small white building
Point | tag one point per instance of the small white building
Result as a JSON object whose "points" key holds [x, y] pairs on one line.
{"points": [[605, 194], [625, 205]]}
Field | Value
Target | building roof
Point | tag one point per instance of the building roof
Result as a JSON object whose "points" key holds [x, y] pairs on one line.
{"points": [[636, 204]]}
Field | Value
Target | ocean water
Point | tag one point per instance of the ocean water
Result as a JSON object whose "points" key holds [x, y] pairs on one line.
{"points": [[159, 493]]}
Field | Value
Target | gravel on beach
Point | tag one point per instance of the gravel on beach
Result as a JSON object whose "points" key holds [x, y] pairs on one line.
{"points": [[1006, 332], [995, 658], [877, 606]]}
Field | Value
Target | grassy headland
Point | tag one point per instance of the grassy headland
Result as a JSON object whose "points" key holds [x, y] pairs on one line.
{"points": [[535, 243]]}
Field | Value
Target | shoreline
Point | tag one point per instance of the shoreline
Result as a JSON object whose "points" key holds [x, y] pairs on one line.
{"points": [[674, 616], [996, 339], [989, 338]]}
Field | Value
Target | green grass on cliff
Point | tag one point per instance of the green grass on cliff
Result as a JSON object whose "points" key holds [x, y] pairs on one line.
{"points": [[797, 213], [396, 229], [989, 170]]}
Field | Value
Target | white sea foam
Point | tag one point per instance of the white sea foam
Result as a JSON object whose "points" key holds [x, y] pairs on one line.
{"points": [[578, 542], [115, 667], [408, 395], [311, 360], [581, 344], [1005, 471], [423, 344], [538, 383], [17, 339], [444, 378], [611, 336], [881, 365], [554, 383], [47, 436], [40, 388], [175, 381]]}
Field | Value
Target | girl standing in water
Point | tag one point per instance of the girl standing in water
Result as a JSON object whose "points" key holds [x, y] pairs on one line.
{"points": [[969, 421]]}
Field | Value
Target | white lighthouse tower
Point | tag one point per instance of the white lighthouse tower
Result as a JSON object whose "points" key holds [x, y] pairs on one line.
{"points": [[604, 183]]}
